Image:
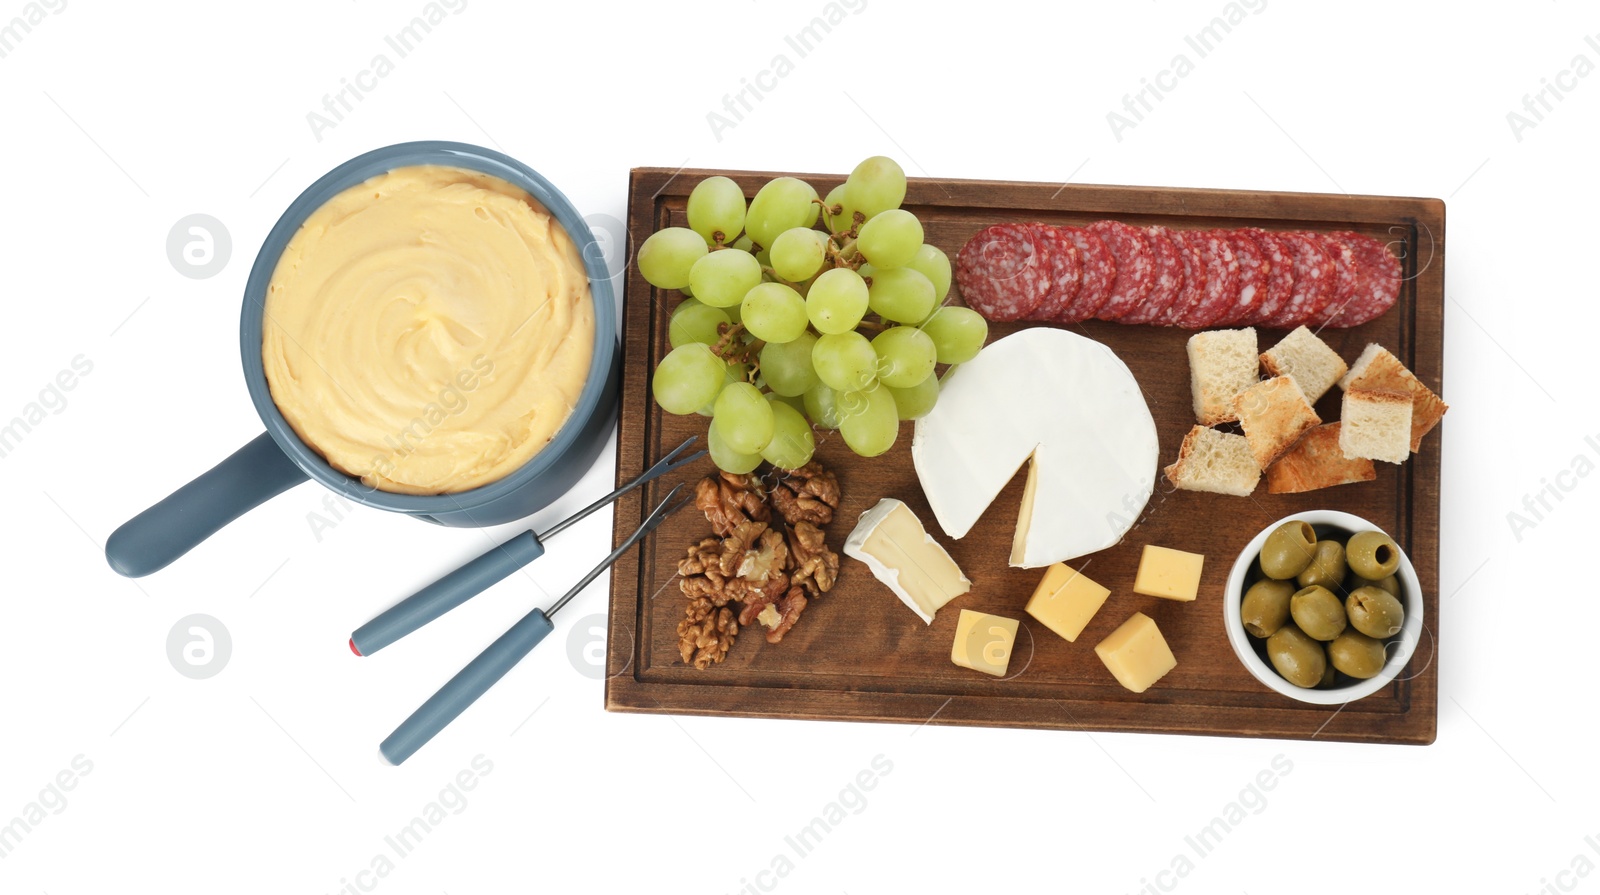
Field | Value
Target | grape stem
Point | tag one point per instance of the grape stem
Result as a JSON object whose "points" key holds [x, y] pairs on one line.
{"points": [[733, 351], [728, 335], [777, 279]]}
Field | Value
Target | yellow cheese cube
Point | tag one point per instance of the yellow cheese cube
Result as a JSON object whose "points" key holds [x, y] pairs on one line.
{"points": [[1171, 574], [1136, 653], [983, 642], [1065, 601]]}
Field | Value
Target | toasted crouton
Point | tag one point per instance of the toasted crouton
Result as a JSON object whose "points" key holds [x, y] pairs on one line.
{"points": [[1308, 360], [1222, 363], [1274, 414], [1379, 370], [1214, 461], [1375, 425], [1316, 461]]}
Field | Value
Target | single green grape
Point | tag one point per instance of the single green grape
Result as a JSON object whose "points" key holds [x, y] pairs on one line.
{"points": [[667, 256], [868, 420], [905, 356], [845, 361], [792, 442], [876, 185], [787, 365], [716, 210], [958, 333], [745, 416], [845, 219], [915, 402], [688, 378], [837, 301], [722, 278], [934, 264], [901, 295], [774, 312], [783, 204], [891, 239], [822, 406], [726, 458], [798, 253], [695, 321]]}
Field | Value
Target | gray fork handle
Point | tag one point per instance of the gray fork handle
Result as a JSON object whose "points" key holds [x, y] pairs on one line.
{"points": [[253, 475]]}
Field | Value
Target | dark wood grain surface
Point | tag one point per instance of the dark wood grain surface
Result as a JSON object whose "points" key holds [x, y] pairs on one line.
{"points": [[858, 654]]}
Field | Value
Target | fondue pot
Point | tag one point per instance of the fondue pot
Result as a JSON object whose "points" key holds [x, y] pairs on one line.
{"points": [[278, 459]]}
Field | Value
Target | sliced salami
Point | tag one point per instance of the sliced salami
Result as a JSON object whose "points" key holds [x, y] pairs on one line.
{"points": [[1314, 281], [1345, 276], [1136, 267], [1278, 262], [1168, 279], [1220, 279], [1099, 274], [1002, 273], [1194, 278], [1378, 281], [1252, 263], [1066, 272], [1368, 279]]}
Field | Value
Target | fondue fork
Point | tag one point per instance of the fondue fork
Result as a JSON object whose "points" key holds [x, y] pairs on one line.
{"points": [[501, 656], [492, 567]]}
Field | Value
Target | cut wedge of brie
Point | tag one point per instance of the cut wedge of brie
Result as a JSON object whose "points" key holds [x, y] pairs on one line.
{"points": [[890, 539], [1063, 401]]}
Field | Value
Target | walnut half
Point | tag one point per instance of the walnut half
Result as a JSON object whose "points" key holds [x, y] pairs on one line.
{"points": [[730, 500], [808, 494], [706, 633], [811, 564]]}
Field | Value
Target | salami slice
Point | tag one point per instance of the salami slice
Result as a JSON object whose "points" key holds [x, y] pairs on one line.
{"points": [[1373, 282], [1194, 278], [1168, 279], [1066, 272], [1222, 280], [1345, 276], [1314, 281], [1278, 262], [1136, 267], [1252, 264], [1378, 281], [1001, 272], [1099, 273]]}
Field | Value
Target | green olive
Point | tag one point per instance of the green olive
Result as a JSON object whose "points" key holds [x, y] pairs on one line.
{"points": [[1390, 584], [1288, 549], [1375, 612], [1266, 606], [1318, 612], [1326, 568], [1356, 654], [1373, 555], [1297, 657]]}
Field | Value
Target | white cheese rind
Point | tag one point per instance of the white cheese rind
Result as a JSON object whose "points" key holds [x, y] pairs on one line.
{"points": [[1069, 403], [950, 580]]}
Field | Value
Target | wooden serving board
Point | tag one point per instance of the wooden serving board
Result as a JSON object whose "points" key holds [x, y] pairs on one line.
{"points": [[858, 654]]}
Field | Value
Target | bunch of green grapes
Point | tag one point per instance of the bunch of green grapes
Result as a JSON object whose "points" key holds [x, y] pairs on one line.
{"points": [[802, 312]]}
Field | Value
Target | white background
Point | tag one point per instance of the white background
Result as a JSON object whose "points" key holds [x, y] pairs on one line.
{"points": [[119, 119]]}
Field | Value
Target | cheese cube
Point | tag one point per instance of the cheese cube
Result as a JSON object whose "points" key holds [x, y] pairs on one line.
{"points": [[983, 642], [1136, 653], [1065, 601], [1167, 573]]}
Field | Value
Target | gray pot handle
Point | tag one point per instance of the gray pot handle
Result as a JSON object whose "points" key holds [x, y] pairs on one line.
{"points": [[255, 474]]}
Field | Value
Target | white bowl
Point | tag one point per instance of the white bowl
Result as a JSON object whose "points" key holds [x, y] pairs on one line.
{"points": [[1341, 525]]}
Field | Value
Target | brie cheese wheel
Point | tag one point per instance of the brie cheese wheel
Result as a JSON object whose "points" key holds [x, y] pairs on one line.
{"points": [[1070, 405], [890, 539]]}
